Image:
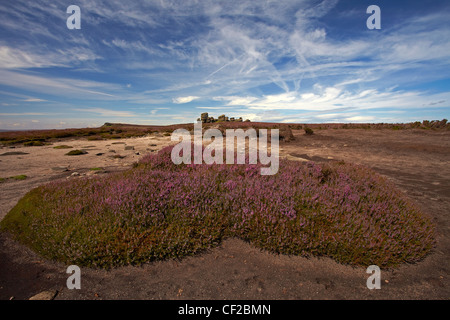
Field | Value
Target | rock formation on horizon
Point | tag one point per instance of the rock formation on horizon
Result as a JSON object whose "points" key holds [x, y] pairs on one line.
{"points": [[204, 118]]}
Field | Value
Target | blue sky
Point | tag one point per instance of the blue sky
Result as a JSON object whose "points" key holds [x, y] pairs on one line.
{"points": [[165, 62]]}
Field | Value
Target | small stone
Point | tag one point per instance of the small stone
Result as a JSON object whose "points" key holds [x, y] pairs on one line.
{"points": [[45, 295], [75, 174], [62, 169], [129, 148]]}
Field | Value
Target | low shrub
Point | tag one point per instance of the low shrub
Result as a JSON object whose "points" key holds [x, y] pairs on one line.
{"points": [[158, 210], [33, 143], [94, 138], [308, 131]]}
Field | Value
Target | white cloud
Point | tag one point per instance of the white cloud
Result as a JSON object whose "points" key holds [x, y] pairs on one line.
{"points": [[34, 100], [25, 114], [57, 86], [331, 98], [360, 119], [154, 111], [106, 112], [236, 100], [187, 99], [32, 57]]}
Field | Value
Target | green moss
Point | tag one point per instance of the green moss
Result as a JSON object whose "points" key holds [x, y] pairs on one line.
{"points": [[75, 152], [33, 143], [19, 177], [62, 147]]}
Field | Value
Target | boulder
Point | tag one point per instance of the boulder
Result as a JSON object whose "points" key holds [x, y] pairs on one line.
{"points": [[45, 295], [204, 117]]}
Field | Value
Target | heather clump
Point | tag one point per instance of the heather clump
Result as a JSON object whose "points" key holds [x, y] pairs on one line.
{"points": [[160, 210]]}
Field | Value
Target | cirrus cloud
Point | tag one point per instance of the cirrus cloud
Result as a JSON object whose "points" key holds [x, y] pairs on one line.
{"points": [[187, 99]]}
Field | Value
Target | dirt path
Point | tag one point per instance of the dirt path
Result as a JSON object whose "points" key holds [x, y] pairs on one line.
{"points": [[418, 162]]}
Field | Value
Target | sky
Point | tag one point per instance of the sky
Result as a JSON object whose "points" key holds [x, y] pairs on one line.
{"points": [[165, 62]]}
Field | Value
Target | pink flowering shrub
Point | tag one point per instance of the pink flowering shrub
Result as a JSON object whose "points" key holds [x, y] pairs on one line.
{"points": [[160, 210]]}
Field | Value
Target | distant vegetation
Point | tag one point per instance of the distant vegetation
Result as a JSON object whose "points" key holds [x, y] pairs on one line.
{"points": [[18, 177], [158, 210], [119, 130], [434, 125], [34, 143], [107, 131], [308, 131]]}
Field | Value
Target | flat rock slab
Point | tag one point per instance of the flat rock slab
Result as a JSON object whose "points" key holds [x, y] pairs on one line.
{"points": [[45, 295]]}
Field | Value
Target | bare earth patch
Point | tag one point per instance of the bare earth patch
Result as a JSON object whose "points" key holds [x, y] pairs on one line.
{"points": [[417, 161]]}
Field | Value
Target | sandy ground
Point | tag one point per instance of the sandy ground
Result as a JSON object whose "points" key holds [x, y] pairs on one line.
{"points": [[42, 164], [417, 161]]}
